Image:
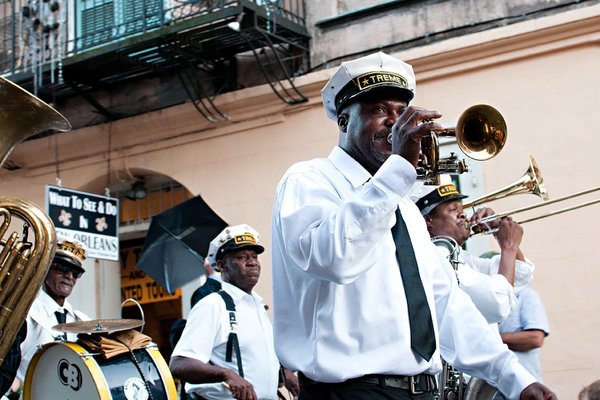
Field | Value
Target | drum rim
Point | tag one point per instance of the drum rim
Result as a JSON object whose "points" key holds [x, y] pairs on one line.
{"points": [[95, 371], [93, 367], [163, 370]]}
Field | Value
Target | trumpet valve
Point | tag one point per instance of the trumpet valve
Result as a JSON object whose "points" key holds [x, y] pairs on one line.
{"points": [[452, 165]]}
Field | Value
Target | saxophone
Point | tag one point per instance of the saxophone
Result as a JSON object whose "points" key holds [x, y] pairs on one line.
{"points": [[24, 258]]}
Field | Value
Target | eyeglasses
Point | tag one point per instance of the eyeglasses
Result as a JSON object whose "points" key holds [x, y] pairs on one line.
{"points": [[64, 269]]}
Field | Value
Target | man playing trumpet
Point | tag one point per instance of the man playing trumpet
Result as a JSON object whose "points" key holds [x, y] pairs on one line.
{"points": [[491, 283]]}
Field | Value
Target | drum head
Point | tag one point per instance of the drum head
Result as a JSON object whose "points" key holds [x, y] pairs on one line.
{"points": [[65, 370], [57, 371]]}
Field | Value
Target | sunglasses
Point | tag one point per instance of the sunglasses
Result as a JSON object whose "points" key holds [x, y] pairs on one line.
{"points": [[64, 269]]}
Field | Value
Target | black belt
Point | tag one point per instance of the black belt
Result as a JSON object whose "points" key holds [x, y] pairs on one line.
{"points": [[414, 384]]}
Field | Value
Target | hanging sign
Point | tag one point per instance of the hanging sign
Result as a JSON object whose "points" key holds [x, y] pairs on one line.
{"points": [[88, 218]]}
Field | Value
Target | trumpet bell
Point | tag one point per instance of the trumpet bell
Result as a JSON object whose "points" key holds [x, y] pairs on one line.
{"points": [[23, 115], [481, 132]]}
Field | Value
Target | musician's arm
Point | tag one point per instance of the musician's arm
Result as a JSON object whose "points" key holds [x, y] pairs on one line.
{"points": [[195, 371], [524, 340]]}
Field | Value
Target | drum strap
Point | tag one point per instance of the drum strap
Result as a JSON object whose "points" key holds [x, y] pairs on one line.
{"points": [[232, 341]]}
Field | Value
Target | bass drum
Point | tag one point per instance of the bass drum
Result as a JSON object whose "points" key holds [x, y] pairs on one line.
{"points": [[478, 389], [66, 370]]}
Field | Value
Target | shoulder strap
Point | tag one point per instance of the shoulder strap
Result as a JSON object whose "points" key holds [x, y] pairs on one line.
{"points": [[232, 341], [229, 304]]}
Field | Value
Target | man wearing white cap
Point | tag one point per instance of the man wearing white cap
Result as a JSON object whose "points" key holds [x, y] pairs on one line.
{"points": [[492, 283], [364, 305], [200, 358], [51, 307]]}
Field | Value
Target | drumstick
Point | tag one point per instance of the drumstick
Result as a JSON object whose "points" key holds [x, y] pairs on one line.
{"points": [[226, 386]]}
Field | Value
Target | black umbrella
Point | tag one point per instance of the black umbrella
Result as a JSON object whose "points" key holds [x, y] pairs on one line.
{"points": [[177, 242]]}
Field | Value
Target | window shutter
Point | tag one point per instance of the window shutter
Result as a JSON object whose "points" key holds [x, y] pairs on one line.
{"points": [[97, 24]]}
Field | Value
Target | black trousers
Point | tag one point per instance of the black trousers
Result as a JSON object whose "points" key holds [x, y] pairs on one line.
{"points": [[192, 396], [355, 389]]}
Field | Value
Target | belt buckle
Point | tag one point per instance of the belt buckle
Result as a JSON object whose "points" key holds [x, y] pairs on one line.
{"points": [[413, 385]]}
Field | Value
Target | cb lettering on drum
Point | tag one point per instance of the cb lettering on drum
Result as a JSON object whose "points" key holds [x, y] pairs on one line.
{"points": [[69, 374]]}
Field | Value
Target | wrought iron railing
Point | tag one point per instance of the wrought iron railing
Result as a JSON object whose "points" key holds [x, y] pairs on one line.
{"points": [[37, 35]]}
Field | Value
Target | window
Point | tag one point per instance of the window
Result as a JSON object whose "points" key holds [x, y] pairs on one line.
{"points": [[102, 21]]}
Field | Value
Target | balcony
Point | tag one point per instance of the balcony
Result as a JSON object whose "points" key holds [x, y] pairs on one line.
{"points": [[65, 49]]}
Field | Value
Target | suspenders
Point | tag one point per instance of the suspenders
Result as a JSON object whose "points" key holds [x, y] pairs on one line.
{"points": [[232, 342]]}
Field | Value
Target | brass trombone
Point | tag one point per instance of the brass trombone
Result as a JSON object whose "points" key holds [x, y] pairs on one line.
{"points": [[531, 182], [480, 134], [496, 217]]}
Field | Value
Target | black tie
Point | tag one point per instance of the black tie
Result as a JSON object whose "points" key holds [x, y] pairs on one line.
{"points": [[61, 316], [422, 336]]}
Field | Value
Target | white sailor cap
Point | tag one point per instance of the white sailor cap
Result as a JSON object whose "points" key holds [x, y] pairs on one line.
{"points": [[373, 72], [233, 238]]}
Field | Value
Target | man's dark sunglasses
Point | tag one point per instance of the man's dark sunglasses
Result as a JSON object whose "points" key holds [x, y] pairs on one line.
{"points": [[63, 269]]}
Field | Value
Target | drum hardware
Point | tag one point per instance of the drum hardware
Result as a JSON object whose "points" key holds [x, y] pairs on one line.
{"points": [[99, 326], [480, 134], [23, 263], [87, 356], [139, 306]]}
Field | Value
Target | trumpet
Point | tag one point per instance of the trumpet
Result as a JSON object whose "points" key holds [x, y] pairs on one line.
{"points": [[480, 134]]}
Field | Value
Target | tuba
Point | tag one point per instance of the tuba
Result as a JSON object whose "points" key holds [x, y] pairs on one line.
{"points": [[24, 258]]}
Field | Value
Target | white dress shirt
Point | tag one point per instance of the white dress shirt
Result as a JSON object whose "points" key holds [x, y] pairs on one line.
{"points": [[205, 338], [40, 320], [489, 266], [339, 305], [491, 292]]}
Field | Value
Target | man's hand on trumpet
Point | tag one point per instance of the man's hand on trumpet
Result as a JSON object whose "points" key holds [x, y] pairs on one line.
{"points": [[407, 131]]}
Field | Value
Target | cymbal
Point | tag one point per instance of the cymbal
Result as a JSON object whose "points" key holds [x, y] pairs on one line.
{"points": [[99, 325]]}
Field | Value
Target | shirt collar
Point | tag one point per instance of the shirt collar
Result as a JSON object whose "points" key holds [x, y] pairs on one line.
{"points": [[238, 294], [51, 305], [355, 173]]}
